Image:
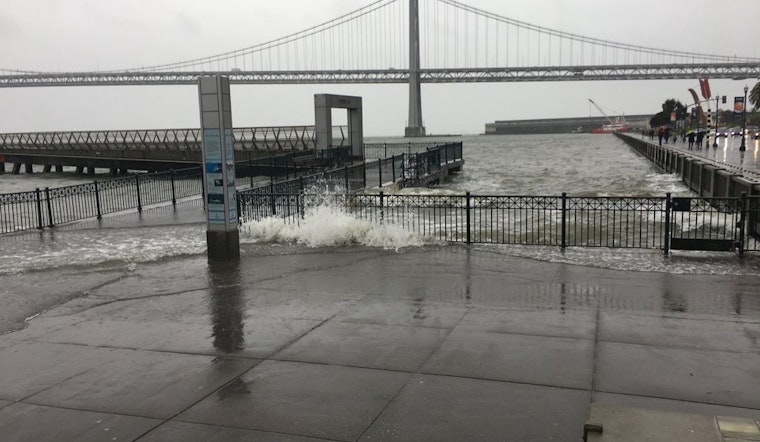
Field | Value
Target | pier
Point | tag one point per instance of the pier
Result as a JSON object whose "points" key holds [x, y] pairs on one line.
{"points": [[730, 174], [148, 149]]}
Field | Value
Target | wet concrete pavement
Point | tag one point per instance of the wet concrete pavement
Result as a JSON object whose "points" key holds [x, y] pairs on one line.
{"points": [[356, 344]]}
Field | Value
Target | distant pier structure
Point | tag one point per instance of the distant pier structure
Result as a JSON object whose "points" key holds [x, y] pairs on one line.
{"points": [[559, 125]]}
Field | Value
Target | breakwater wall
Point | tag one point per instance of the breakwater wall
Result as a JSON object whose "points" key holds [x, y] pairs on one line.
{"points": [[701, 175]]}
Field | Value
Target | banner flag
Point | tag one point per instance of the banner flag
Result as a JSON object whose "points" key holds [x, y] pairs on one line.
{"points": [[738, 106], [694, 94], [704, 85]]}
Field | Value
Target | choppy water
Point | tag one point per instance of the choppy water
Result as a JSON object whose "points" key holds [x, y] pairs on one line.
{"points": [[586, 165]]}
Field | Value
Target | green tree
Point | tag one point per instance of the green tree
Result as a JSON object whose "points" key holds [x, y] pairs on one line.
{"points": [[754, 95], [670, 105]]}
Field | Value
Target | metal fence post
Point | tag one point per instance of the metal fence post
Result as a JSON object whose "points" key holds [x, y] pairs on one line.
{"points": [[468, 217], [271, 169], [139, 198], [668, 208], [393, 167], [742, 222], [345, 174], [39, 208], [564, 220], [49, 207], [271, 199], [97, 200], [250, 169], [174, 191], [382, 215], [380, 172]]}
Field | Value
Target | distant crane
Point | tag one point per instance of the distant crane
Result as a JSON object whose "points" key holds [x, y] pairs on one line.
{"points": [[605, 114], [614, 126]]}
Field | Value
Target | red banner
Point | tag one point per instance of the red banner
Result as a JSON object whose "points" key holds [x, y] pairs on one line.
{"points": [[704, 85], [694, 94]]}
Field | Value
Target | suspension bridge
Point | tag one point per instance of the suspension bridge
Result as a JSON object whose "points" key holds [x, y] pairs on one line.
{"points": [[415, 42]]}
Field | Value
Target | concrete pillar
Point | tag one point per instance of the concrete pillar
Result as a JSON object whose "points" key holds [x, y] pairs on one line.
{"points": [[323, 106], [414, 126], [28, 168], [322, 121], [80, 169], [222, 236], [46, 168], [59, 168], [16, 168]]}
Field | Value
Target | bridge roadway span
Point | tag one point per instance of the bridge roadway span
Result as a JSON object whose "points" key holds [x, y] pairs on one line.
{"points": [[454, 75], [151, 150]]}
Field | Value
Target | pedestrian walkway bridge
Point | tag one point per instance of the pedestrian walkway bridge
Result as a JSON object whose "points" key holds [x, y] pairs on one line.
{"points": [[147, 149]]}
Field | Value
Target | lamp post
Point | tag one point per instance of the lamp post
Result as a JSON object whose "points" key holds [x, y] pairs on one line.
{"points": [[717, 117], [743, 146]]}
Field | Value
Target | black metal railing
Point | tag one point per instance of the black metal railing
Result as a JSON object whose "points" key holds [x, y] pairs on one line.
{"points": [[50, 207], [725, 224], [282, 174], [373, 151]]}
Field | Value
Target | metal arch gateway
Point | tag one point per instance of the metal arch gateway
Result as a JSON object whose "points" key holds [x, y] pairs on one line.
{"points": [[464, 75]]}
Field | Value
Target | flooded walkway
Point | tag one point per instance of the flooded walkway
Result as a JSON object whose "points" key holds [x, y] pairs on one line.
{"points": [[433, 343], [726, 154]]}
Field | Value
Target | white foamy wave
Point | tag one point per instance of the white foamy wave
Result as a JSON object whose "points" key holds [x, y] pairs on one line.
{"points": [[325, 226]]}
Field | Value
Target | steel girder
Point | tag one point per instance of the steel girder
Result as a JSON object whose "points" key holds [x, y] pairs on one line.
{"points": [[465, 75]]}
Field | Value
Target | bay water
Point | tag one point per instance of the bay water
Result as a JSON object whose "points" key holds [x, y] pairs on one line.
{"points": [[533, 165]]}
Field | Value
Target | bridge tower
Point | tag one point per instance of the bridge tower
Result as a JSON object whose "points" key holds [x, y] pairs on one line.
{"points": [[414, 126]]}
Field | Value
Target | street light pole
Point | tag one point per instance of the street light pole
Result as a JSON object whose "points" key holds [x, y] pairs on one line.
{"points": [[717, 117], [743, 146]]}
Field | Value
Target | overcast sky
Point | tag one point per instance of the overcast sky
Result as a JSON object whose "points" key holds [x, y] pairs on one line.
{"points": [[83, 35]]}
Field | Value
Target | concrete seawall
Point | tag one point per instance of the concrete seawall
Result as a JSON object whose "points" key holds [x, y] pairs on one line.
{"points": [[702, 176]]}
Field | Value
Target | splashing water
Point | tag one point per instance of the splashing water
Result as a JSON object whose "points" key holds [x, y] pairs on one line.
{"points": [[326, 225]]}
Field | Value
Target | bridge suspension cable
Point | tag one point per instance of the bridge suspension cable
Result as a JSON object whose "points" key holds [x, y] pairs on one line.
{"points": [[475, 38], [352, 41], [459, 43]]}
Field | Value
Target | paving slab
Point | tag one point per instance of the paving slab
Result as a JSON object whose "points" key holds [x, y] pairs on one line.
{"points": [[140, 383], [34, 423], [654, 403], [195, 322], [388, 347], [705, 376], [553, 361], [444, 408], [580, 324], [30, 367], [315, 400], [187, 432], [378, 309], [634, 424], [706, 333]]}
